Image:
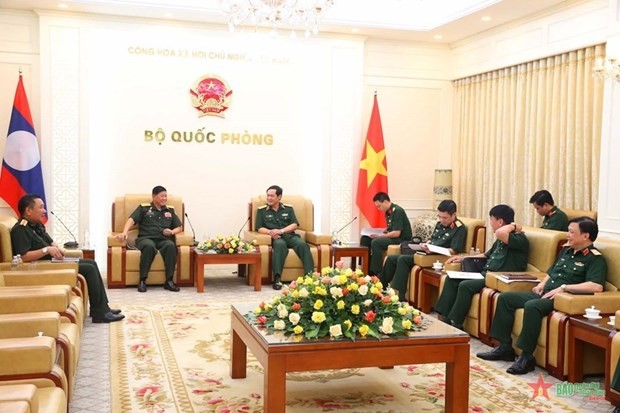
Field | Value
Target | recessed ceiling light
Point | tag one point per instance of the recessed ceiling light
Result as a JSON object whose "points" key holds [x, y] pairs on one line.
{"points": [[486, 18], [437, 37], [63, 5]]}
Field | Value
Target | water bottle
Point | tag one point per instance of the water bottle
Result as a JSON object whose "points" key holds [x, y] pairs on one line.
{"points": [[20, 262], [14, 262], [472, 251]]}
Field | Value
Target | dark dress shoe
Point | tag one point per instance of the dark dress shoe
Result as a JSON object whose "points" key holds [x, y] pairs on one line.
{"points": [[114, 311], [171, 286], [142, 286], [277, 283], [109, 317], [498, 353], [523, 365]]}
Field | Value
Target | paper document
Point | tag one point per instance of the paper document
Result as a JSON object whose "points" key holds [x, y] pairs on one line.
{"points": [[510, 278], [66, 259], [459, 275], [373, 231], [415, 247], [438, 250]]}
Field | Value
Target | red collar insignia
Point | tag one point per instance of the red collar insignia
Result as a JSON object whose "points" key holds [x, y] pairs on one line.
{"points": [[452, 225], [585, 252]]}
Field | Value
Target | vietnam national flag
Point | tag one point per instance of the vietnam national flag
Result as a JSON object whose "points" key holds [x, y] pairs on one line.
{"points": [[373, 171], [21, 167]]}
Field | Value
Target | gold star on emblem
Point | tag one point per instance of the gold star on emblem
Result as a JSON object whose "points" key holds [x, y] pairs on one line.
{"points": [[373, 164]]}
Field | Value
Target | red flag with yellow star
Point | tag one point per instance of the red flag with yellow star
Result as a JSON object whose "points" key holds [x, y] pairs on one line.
{"points": [[373, 171]]}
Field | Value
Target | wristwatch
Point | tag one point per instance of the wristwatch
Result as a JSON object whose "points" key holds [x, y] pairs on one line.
{"points": [[563, 287], [281, 232], [44, 250]]}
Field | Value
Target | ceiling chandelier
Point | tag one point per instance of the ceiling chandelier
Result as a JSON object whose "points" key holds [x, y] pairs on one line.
{"points": [[606, 68], [293, 15]]}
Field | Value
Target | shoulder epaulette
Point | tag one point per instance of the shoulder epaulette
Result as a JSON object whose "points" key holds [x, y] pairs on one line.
{"points": [[596, 252], [288, 205], [263, 206], [23, 222], [458, 223], [145, 204], [169, 207]]}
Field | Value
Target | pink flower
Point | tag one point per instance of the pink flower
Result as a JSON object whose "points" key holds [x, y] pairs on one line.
{"points": [[340, 264], [261, 319], [369, 316]]}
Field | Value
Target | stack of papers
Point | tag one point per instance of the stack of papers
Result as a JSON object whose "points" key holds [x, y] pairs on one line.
{"points": [[460, 275], [66, 259], [431, 247]]}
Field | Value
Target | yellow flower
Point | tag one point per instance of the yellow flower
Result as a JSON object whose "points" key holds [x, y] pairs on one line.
{"points": [[295, 294], [363, 330], [406, 324], [402, 310], [320, 291], [394, 299], [308, 281], [300, 280], [318, 304], [348, 323], [374, 290], [342, 279], [355, 309], [298, 329], [318, 317], [326, 270], [208, 245], [353, 287], [231, 250], [268, 307], [359, 272], [339, 305], [348, 272], [257, 310]]}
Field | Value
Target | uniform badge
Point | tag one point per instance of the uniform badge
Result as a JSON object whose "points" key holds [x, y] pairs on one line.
{"points": [[167, 214], [579, 264], [211, 96]]}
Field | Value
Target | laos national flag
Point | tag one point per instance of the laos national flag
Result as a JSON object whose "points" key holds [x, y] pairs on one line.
{"points": [[21, 166]]}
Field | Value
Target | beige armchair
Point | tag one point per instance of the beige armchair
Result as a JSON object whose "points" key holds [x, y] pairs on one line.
{"points": [[320, 245], [551, 351], [613, 356], [48, 324], [124, 263], [28, 398]]}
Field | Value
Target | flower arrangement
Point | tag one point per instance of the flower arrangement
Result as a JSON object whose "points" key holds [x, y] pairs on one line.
{"points": [[337, 303], [231, 244]]}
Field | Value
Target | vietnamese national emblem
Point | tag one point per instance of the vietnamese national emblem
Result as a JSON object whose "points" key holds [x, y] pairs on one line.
{"points": [[211, 95]]}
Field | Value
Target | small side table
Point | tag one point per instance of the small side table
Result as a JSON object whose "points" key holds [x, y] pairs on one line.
{"points": [[430, 279], [252, 258], [354, 251], [88, 254], [595, 332]]}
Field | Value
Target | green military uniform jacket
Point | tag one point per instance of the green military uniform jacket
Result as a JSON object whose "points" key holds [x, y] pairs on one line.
{"points": [[556, 219], [153, 221], [267, 217], [453, 236], [30, 237], [508, 257], [397, 220], [587, 264]]}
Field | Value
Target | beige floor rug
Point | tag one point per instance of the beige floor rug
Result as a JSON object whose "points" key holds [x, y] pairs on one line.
{"points": [[175, 358]]}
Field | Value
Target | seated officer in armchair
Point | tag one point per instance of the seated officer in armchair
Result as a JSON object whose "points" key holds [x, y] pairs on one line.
{"points": [[579, 268], [449, 233], [278, 220], [30, 239]]}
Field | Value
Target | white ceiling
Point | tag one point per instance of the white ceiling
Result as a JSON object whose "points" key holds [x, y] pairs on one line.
{"points": [[411, 20]]}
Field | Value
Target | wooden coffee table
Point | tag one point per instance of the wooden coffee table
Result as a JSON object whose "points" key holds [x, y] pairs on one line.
{"points": [[279, 354], [354, 251], [430, 279], [202, 259]]}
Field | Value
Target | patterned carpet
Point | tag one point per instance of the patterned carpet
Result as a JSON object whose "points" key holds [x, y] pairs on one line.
{"points": [[175, 358]]}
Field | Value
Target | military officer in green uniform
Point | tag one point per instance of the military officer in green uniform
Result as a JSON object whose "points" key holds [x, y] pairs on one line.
{"points": [[508, 253], [158, 224], [450, 232], [398, 230], [278, 220], [30, 239], [579, 268], [554, 217]]}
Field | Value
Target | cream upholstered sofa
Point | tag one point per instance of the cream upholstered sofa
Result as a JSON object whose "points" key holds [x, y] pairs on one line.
{"points": [[613, 356], [48, 324], [28, 398], [320, 245], [552, 348], [124, 263]]}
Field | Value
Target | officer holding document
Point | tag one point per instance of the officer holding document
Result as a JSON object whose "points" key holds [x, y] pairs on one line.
{"points": [[398, 230], [449, 233]]}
